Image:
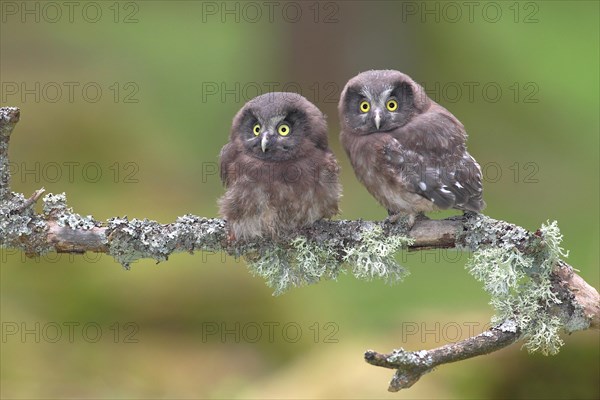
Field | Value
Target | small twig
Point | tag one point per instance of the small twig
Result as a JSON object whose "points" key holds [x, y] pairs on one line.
{"points": [[31, 200], [412, 365]]}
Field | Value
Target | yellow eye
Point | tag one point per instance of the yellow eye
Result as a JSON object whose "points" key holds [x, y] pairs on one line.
{"points": [[256, 129], [392, 105], [365, 106], [284, 129]]}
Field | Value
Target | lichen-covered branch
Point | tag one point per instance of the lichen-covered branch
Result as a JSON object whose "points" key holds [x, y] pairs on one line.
{"points": [[410, 366], [9, 116], [532, 289]]}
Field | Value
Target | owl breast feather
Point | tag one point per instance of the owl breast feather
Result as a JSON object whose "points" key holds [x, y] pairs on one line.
{"points": [[269, 199]]}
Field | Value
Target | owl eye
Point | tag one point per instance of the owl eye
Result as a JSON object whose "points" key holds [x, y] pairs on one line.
{"points": [[364, 106], [284, 129], [256, 129], [392, 105]]}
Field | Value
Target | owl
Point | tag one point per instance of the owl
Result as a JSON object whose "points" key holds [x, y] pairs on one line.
{"points": [[278, 170], [406, 149]]}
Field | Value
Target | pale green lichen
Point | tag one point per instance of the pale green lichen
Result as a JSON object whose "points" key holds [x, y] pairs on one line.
{"points": [[552, 239], [55, 206], [315, 260], [374, 256], [21, 228], [543, 336], [304, 262], [499, 269], [132, 240], [301, 264], [520, 288], [410, 358]]}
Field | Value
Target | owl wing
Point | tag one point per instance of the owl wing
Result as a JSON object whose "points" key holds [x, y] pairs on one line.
{"points": [[330, 170], [227, 159], [328, 189], [449, 181], [467, 185]]}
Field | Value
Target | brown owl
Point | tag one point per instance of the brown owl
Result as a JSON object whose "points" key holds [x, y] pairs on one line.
{"points": [[406, 149], [277, 168]]}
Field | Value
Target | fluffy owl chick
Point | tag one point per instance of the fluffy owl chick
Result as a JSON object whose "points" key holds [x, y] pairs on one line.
{"points": [[278, 170], [406, 149]]}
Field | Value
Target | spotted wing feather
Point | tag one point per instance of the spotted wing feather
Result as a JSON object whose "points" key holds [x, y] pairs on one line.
{"points": [[428, 155]]}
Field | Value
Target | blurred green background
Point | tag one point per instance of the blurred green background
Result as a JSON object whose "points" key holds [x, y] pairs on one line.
{"points": [[125, 106]]}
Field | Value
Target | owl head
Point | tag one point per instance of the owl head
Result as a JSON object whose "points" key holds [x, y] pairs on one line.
{"points": [[380, 101], [279, 126]]}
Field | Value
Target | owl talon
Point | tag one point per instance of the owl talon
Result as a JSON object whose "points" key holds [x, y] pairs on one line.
{"points": [[421, 217], [407, 220], [230, 238], [392, 218]]}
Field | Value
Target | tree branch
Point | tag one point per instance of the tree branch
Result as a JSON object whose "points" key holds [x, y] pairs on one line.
{"points": [[412, 365], [59, 229]]}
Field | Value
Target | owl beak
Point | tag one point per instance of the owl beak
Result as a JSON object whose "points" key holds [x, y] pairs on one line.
{"points": [[264, 141], [377, 118]]}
